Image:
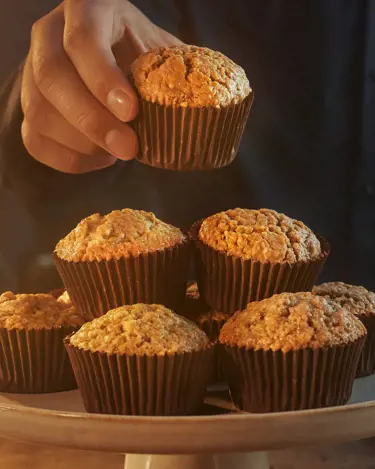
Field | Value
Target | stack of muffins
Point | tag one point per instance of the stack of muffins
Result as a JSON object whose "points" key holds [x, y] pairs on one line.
{"points": [[130, 333]]}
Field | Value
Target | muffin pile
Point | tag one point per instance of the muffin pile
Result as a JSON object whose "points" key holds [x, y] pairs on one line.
{"points": [[250, 320], [129, 329]]}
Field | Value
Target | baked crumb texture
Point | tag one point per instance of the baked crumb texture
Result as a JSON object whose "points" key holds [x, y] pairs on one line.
{"points": [[360, 302], [291, 352], [292, 321], [248, 255], [36, 311], [189, 76], [262, 235], [140, 330], [121, 233], [356, 299]]}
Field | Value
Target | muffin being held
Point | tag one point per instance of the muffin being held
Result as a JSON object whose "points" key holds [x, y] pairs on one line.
{"points": [[194, 104], [246, 255], [141, 360], [360, 302], [32, 354], [125, 257], [292, 351]]}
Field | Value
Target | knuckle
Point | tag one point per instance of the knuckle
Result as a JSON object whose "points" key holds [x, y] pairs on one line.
{"points": [[43, 69], [72, 164], [37, 28], [47, 70], [30, 139], [75, 39], [31, 109], [89, 124]]}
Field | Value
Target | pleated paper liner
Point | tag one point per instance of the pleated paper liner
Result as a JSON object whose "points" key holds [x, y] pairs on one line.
{"points": [[212, 327], [229, 283], [140, 385], [267, 381], [35, 361], [366, 364], [188, 139], [157, 277]]}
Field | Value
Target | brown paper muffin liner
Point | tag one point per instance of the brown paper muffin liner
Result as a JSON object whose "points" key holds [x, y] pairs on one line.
{"points": [[184, 139], [35, 361], [157, 277], [141, 385], [212, 329], [366, 364], [266, 381], [229, 283]]}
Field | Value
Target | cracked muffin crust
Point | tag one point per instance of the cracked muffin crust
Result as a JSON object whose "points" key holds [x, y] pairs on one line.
{"points": [[189, 76], [356, 299], [36, 311], [140, 330], [121, 233], [262, 235], [65, 298], [292, 321]]}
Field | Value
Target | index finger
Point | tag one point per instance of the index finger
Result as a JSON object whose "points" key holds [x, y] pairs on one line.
{"points": [[88, 39]]}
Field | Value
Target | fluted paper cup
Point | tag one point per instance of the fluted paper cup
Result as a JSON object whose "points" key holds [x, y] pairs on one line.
{"points": [[35, 361], [187, 138], [366, 364], [266, 381], [172, 384], [212, 328], [157, 277], [229, 283]]}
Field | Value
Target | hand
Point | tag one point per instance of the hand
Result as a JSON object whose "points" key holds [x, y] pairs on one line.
{"points": [[75, 96]]}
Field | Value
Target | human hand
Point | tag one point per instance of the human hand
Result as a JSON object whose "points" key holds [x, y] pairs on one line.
{"points": [[75, 96]]}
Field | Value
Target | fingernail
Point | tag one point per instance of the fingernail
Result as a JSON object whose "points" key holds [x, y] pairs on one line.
{"points": [[117, 144], [120, 104]]}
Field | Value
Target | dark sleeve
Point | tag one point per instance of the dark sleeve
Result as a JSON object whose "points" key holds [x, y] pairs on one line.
{"points": [[37, 204]]}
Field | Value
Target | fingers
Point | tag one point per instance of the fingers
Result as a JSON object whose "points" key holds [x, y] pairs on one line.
{"points": [[45, 120], [59, 82], [45, 150], [88, 39]]}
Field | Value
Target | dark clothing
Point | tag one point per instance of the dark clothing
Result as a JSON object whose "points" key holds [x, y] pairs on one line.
{"points": [[308, 149]]}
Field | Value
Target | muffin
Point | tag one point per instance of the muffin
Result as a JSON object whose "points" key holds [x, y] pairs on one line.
{"points": [[245, 255], [32, 355], [194, 104], [360, 302], [292, 351], [125, 257], [141, 360]]}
